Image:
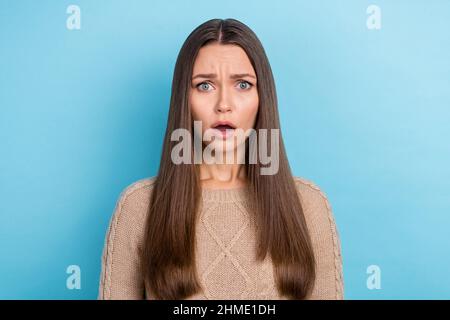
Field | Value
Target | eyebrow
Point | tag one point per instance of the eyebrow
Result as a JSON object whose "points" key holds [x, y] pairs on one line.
{"points": [[213, 75]]}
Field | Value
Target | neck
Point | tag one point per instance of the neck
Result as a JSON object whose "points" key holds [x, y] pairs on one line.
{"points": [[222, 175]]}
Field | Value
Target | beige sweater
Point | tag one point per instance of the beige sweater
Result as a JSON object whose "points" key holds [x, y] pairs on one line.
{"points": [[225, 246]]}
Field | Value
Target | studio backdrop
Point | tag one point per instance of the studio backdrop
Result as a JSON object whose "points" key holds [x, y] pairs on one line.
{"points": [[364, 100]]}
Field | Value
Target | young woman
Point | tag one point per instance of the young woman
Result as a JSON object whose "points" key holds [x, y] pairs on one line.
{"points": [[208, 229]]}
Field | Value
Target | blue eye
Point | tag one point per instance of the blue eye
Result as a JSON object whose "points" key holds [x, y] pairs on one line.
{"points": [[249, 85], [203, 86]]}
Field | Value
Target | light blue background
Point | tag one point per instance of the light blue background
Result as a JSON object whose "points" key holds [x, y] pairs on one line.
{"points": [[364, 115]]}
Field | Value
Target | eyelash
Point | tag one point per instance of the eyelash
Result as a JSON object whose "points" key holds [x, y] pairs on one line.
{"points": [[250, 84]]}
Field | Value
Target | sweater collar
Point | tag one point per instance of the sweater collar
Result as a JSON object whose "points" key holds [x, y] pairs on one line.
{"points": [[239, 194]]}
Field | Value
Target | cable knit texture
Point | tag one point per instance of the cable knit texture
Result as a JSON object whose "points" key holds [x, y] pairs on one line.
{"points": [[225, 246]]}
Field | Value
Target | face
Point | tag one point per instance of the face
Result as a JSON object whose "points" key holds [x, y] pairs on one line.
{"points": [[223, 90]]}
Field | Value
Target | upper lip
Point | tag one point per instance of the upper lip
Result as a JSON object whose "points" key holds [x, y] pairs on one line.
{"points": [[223, 123]]}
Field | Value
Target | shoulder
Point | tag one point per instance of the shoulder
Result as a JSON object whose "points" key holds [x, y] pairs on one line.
{"points": [[311, 194], [316, 206], [132, 203], [137, 189]]}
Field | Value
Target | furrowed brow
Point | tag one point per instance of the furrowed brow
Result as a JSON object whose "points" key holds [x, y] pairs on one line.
{"points": [[242, 75], [205, 75], [213, 75]]}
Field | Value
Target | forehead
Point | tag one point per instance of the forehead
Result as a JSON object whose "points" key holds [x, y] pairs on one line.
{"points": [[215, 56]]}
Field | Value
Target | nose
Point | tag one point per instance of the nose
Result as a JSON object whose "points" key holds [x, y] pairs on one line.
{"points": [[224, 103]]}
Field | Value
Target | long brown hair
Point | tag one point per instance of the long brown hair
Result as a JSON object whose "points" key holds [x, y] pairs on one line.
{"points": [[168, 259]]}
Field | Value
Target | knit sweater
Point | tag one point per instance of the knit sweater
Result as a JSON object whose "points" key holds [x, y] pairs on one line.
{"points": [[225, 246]]}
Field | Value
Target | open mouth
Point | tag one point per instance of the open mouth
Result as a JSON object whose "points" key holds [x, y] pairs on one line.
{"points": [[223, 127], [225, 130]]}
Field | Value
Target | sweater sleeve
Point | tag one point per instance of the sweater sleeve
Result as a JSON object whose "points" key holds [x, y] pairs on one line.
{"points": [[326, 242], [121, 276]]}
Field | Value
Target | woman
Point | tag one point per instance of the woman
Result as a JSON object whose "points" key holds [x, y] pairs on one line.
{"points": [[207, 229]]}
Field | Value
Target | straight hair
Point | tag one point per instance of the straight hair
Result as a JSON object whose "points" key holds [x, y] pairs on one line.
{"points": [[168, 255]]}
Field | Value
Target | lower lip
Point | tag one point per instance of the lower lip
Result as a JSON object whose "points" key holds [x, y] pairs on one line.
{"points": [[224, 133]]}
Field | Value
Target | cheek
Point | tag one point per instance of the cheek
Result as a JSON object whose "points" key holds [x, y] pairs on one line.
{"points": [[199, 109], [250, 110], [194, 105]]}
